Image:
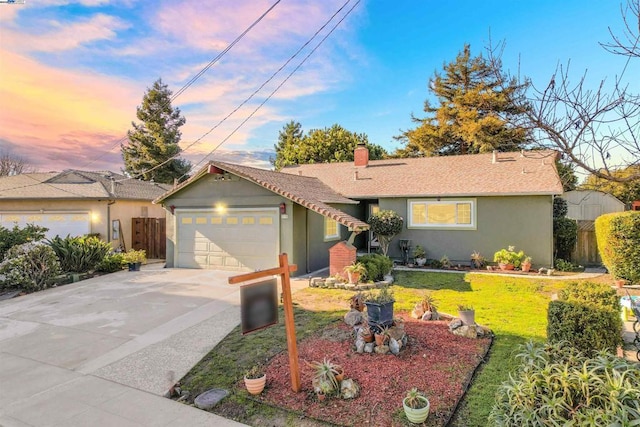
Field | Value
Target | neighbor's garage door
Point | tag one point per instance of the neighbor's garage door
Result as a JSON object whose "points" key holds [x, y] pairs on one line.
{"points": [[59, 223], [239, 239]]}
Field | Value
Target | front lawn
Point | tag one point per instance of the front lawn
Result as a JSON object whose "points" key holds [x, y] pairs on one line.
{"points": [[514, 308]]}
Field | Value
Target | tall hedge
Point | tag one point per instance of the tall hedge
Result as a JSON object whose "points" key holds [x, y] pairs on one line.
{"points": [[618, 236], [587, 316]]}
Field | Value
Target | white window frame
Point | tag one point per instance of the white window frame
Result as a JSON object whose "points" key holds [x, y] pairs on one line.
{"points": [[427, 202], [330, 237]]}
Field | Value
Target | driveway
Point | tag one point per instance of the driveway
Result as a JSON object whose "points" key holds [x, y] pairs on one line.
{"points": [[103, 351]]}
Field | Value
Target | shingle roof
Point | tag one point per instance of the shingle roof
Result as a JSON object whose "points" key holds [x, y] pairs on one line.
{"points": [[75, 184], [306, 191], [527, 173]]}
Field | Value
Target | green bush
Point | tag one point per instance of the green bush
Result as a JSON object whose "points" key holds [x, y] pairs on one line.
{"points": [[587, 316], [31, 267], [562, 265], [556, 385], [565, 235], [79, 254], [618, 236], [112, 262], [18, 236], [377, 266], [385, 225]]}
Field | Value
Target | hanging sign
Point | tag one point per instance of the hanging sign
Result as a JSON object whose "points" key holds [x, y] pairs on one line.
{"points": [[258, 305]]}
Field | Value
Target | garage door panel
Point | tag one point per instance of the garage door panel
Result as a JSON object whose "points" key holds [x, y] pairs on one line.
{"points": [[238, 240]]}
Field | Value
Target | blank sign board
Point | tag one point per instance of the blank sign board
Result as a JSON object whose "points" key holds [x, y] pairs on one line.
{"points": [[259, 305]]}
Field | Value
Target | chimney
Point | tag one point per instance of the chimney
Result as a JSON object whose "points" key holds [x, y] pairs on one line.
{"points": [[361, 156]]}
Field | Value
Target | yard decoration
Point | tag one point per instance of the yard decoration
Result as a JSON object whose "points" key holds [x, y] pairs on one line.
{"points": [[385, 224], [508, 259], [255, 379], [420, 256], [416, 406], [526, 264], [380, 308]]}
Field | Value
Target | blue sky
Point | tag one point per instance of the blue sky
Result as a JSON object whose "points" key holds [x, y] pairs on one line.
{"points": [[73, 72]]}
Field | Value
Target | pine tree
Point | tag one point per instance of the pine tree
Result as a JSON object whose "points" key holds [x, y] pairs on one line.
{"points": [[155, 139], [471, 116]]}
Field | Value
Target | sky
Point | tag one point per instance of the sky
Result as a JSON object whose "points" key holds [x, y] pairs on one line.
{"points": [[73, 72]]}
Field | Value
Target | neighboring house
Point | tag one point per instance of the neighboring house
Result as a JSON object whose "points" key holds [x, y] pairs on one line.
{"points": [[79, 202], [585, 206], [238, 217]]}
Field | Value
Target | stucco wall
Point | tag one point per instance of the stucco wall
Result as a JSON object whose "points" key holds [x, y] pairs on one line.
{"points": [[125, 210], [524, 222]]}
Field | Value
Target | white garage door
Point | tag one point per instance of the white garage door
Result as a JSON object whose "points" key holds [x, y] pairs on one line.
{"points": [[59, 223], [238, 239]]}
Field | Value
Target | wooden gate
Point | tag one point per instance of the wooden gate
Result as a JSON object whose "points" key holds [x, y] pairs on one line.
{"points": [[149, 234], [586, 250]]}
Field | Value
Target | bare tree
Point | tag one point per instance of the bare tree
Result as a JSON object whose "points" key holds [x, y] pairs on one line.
{"points": [[596, 129], [13, 165]]}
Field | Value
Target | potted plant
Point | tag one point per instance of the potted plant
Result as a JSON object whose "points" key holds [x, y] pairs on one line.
{"points": [[508, 259], [477, 260], [354, 271], [420, 256], [365, 332], [134, 258], [526, 264], [445, 262], [325, 378], [380, 307], [467, 314], [416, 406], [255, 379], [382, 336], [356, 301]]}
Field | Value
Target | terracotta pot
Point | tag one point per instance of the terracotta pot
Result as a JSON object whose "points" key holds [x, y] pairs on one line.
{"points": [[368, 337], [526, 266], [354, 278], [321, 396], [381, 339], [340, 376], [255, 385], [620, 283], [504, 266]]}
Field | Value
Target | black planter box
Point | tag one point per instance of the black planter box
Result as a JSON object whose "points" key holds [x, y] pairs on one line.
{"points": [[380, 315]]}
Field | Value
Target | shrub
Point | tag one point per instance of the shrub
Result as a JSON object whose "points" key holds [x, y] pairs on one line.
{"points": [[587, 316], [509, 256], [79, 254], [562, 265], [565, 235], [377, 265], [618, 236], [31, 267], [112, 262], [557, 385], [385, 225], [18, 236]]}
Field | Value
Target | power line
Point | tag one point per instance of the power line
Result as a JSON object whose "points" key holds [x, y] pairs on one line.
{"points": [[250, 96], [277, 88], [196, 77]]}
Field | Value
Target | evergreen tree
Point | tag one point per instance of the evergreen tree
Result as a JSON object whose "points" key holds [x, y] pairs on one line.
{"points": [[155, 139], [328, 145], [474, 103]]}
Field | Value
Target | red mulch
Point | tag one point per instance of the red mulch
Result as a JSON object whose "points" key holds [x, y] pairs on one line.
{"points": [[435, 361]]}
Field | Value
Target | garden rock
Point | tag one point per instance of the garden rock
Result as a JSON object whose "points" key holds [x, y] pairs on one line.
{"points": [[467, 331], [455, 324], [427, 315], [483, 331], [330, 280], [394, 346], [368, 347], [315, 282], [417, 312], [353, 317], [396, 333], [210, 398], [382, 349], [360, 345], [348, 389]]}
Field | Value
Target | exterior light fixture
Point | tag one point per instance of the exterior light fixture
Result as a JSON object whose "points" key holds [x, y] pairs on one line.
{"points": [[283, 208]]}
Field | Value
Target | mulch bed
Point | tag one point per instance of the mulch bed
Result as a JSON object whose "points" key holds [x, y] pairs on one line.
{"points": [[435, 361]]}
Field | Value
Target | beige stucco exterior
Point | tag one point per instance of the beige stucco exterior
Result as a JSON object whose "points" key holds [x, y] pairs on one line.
{"points": [[102, 213]]}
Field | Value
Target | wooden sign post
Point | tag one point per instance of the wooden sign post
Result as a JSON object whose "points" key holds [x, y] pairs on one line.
{"points": [[283, 271]]}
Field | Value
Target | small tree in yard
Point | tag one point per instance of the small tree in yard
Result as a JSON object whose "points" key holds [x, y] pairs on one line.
{"points": [[385, 225]]}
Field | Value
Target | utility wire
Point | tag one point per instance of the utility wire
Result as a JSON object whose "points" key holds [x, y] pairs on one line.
{"points": [[275, 90], [291, 58], [194, 78]]}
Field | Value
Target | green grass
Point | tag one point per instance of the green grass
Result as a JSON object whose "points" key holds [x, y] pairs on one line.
{"points": [[514, 308]]}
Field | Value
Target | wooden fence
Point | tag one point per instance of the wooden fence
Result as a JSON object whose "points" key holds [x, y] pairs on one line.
{"points": [[586, 250], [149, 234]]}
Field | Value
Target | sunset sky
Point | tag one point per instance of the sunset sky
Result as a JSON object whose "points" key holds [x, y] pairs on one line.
{"points": [[73, 72]]}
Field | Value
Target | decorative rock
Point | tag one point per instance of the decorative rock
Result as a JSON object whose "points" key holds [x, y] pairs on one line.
{"points": [[426, 315], [360, 345], [483, 331], [382, 349], [466, 331], [315, 282], [330, 285], [210, 398], [396, 333], [349, 389], [417, 312], [339, 285], [350, 286], [394, 346], [455, 324], [330, 280], [388, 278], [353, 317], [404, 341], [368, 347]]}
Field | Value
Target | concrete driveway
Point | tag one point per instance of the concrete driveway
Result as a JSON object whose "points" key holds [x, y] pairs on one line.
{"points": [[103, 351]]}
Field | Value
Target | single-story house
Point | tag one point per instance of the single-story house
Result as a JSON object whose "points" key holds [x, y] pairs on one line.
{"points": [[238, 217], [75, 203]]}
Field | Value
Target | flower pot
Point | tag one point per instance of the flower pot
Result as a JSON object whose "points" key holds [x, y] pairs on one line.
{"points": [[468, 317], [379, 315], [367, 337], [255, 385], [620, 283], [417, 416], [525, 266], [354, 278], [381, 339], [421, 261], [134, 266], [340, 376], [504, 266]]}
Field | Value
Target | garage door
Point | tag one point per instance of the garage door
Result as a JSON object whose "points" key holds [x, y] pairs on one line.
{"points": [[239, 239], [58, 223]]}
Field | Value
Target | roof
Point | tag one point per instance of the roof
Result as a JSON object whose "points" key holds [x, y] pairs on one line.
{"points": [[306, 191], [514, 173], [75, 184]]}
